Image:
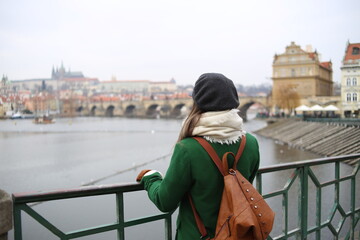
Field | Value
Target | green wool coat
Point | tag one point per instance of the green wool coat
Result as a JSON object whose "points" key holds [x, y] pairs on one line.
{"points": [[192, 170]]}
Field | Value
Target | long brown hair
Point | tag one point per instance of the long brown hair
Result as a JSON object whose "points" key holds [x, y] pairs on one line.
{"points": [[190, 122]]}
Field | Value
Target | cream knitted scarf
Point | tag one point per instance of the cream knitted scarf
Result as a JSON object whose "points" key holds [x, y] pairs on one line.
{"points": [[221, 127]]}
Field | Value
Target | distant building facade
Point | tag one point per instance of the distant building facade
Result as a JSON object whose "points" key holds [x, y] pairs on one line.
{"points": [[124, 87], [300, 74], [350, 81], [60, 80], [61, 73], [143, 87], [163, 87]]}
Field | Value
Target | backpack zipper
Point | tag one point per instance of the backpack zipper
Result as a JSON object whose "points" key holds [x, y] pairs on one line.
{"points": [[225, 223]]}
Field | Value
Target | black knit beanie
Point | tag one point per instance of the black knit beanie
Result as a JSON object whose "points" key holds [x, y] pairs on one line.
{"points": [[215, 92]]}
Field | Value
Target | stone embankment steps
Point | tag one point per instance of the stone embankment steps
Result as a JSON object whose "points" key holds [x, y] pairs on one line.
{"points": [[326, 139], [345, 144]]}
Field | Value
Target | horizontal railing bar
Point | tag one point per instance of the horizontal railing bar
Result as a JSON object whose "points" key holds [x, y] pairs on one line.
{"points": [[293, 232], [315, 228], [325, 184], [274, 194], [114, 226], [321, 226], [348, 213], [279, 237], [145, 220], [93, 230], [289, 234], [318, 161], [75, 192]]}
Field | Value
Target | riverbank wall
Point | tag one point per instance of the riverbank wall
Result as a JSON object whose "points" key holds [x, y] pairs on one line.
{"points": [[5, 214], [326, 139]]}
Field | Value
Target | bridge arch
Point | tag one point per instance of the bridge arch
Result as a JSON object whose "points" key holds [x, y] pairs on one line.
{"points": [[245, 107], [130, 111], [178, 110], [165, 110], [109, 111], [79, 109], [93, 111], [153, 110]]}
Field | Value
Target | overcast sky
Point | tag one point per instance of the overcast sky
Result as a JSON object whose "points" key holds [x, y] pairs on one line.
{"points": [[159, 40]]}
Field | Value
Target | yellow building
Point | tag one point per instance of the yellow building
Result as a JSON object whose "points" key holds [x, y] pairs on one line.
{"points": [[298, 75], [2, 109]]}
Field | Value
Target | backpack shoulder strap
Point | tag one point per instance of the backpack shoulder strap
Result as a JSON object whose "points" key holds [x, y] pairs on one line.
{"points": [[210, 150], [198, 220], [240, 151]]}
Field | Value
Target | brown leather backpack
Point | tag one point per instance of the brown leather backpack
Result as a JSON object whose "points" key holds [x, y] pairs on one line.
{"points": [[243, 212]]}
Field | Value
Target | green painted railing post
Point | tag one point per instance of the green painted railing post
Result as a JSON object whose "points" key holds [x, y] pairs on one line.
{"points": [[259, 182], [303, 202], [120, 215], [168, 227], [337, 183], [17, 222], [352, 208], [318, 211], [352, 205], [285, 213]]}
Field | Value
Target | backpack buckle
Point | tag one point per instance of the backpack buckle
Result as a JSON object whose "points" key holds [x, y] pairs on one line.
{"points": [[232, 172]]}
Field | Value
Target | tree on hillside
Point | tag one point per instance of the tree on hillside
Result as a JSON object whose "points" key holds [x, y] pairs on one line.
{"points": [[286, 97]]}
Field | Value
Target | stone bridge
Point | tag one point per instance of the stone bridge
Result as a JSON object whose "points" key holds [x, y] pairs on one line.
{"points": [[167, 108], [246, 102]]}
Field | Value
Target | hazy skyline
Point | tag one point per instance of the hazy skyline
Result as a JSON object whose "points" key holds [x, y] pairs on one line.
{"points": [[159, 40]]}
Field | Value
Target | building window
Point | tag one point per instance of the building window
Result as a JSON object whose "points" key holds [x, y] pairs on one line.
{"points": [[354, 82], [348, 82], [355, 97], [293, 72], [348, 97], [282, 72], [355, 51], [302, 71]]}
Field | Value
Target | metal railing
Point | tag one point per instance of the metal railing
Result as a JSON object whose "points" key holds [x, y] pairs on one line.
{"points": [[301, 170], [21, 203]]}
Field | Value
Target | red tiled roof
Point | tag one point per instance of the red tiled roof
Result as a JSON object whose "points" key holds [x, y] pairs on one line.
{"points": [[105, 99], [349, 52], [327, 65], [312, 55]]}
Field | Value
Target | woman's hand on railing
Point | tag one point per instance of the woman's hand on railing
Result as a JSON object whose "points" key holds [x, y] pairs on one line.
{"points": [[146, 172], [141, 174]]}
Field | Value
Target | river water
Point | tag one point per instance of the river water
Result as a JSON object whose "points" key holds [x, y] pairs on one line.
{"points": [[73, 152]]}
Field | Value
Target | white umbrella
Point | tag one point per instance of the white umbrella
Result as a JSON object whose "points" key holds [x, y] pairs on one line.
{"points": [[316, 108], [302, 108], [331, 108]]}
